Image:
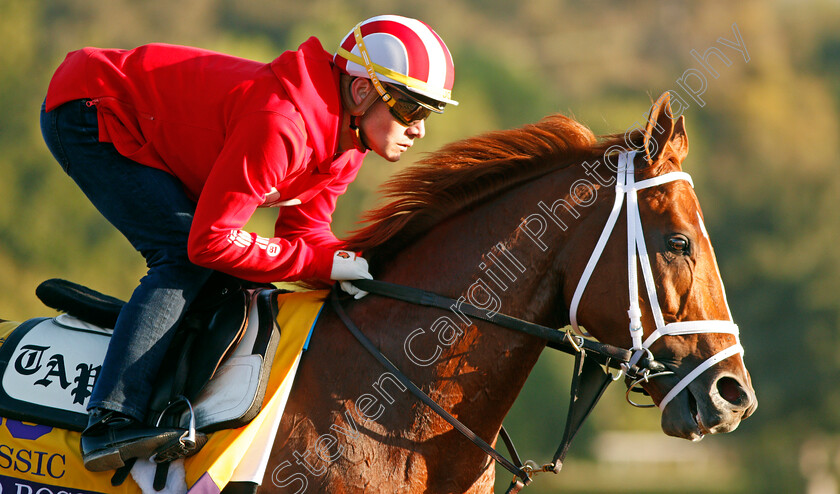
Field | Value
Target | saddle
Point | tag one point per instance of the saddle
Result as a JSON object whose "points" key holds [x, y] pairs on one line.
{"points": [[214, 373]]}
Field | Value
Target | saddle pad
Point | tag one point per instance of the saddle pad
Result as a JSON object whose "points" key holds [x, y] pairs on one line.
{"points": [[231, 450], [33, 457], [48, 368]]}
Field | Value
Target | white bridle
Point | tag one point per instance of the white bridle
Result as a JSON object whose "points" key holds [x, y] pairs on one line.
{"points": [[626, 185]]}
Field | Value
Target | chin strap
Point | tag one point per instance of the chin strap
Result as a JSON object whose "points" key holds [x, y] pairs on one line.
{"points": [[358, 139], [357, 110]]}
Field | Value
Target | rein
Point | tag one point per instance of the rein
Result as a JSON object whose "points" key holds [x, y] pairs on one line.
{"points": [[588, 383], [607, 355]]}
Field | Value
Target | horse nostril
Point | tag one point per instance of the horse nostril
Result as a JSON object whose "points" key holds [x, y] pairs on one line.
{"points": [[730, 389]]}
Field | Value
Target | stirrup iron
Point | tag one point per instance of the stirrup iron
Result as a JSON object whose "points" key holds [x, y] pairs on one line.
{"points": [[183, 446]]}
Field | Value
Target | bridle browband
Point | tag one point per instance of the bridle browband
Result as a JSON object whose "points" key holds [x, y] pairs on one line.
{"points": [[589, 379]]}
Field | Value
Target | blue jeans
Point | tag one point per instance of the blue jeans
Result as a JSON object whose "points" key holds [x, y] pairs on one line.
{"points": [[149, 207]]}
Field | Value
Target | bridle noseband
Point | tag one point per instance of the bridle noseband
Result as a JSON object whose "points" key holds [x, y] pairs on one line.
{"points": [[627, 188]]}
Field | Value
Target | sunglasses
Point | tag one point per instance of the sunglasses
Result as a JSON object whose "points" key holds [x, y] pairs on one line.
{"points": [[407, 108]]}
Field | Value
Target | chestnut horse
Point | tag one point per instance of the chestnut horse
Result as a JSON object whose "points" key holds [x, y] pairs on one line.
{"points": [[531, 223], [509, 221]]}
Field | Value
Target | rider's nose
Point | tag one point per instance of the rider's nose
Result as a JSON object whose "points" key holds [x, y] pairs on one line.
{"points": [[417, 130]]}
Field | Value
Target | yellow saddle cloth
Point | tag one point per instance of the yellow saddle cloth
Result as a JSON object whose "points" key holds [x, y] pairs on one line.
{"points": [[34, 457]]}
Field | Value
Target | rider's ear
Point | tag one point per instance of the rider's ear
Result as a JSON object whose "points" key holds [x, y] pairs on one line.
{"points": [[357, 94], [360, 88], [664, 137]]}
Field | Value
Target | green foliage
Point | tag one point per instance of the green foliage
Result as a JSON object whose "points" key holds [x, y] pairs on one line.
{"points": [[764, 149]]}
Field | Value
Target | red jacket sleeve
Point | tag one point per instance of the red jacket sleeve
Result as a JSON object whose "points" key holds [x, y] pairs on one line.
{"points": [[261, 150], [311, 221]]}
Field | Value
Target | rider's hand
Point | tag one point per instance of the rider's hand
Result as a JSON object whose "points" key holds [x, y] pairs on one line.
{"points": [[348, 266]]}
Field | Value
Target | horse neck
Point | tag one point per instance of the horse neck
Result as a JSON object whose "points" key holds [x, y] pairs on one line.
{"points": [[484, 256]]}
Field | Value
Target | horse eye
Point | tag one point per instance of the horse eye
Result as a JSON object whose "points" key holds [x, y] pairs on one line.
{"points": [[678, 244]]}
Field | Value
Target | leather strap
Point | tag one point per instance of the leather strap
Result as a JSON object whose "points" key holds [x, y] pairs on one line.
{"points": [[514, 456], [161, 472], [120, 474], [605, 354], [588, 385], [458, 425]]}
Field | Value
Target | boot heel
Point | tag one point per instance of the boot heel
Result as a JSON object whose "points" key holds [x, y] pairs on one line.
{"points": [[104, 461]]}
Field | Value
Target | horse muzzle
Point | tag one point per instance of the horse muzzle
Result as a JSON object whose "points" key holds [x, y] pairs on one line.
{"points": [[715, 403]]}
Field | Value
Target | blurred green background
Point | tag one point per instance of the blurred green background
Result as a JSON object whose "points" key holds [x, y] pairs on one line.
{"points": [[764, 152]]}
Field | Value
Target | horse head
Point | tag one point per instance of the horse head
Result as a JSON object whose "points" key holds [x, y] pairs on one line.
{"points": [[682, 315]]}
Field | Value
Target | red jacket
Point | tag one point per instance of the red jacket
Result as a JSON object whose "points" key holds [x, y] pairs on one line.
{"points": [[239, 135]]}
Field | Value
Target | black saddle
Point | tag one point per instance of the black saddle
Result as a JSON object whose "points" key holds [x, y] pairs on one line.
{"points": [[80, 302], [212, 327]]}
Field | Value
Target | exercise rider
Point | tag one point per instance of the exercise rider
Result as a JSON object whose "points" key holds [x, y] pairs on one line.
{"points": [[178, 146]]}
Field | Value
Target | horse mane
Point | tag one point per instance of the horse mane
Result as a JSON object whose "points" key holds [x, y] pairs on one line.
{"points": [[467, 172]]}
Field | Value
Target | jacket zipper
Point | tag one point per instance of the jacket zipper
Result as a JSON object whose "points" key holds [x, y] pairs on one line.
{"points": [[95, 101]]}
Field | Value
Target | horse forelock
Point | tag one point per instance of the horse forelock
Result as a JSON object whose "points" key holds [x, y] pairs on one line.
{"points": [[468, 172]]}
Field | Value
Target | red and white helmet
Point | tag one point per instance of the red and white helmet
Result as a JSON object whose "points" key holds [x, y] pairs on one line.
{"points": [[401, 51]]}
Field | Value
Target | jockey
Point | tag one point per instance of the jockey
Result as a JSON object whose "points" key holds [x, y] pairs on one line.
{"points": [[178, 146]]}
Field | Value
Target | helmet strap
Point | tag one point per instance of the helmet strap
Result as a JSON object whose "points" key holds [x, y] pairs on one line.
{"points": [[356, 109], [358, 138], [360, 42]]}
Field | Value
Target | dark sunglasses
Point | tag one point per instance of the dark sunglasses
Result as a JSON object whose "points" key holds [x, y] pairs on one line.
{"points": [[407, 108]]}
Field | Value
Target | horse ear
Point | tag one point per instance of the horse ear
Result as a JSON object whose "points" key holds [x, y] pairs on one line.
{"points": [[679, 140], [663, 135]]}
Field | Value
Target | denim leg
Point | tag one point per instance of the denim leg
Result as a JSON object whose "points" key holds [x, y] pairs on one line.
{"points": [[149, 207]]}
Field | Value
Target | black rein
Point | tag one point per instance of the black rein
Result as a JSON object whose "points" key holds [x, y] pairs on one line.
{"points": [[607, 355], [604, 354]]}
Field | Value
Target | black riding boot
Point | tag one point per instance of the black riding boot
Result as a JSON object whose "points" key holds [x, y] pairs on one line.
{"points": [[111, 438]]}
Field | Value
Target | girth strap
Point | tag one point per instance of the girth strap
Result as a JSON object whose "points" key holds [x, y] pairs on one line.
{"points": [[416, 391], [122, 473]]}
